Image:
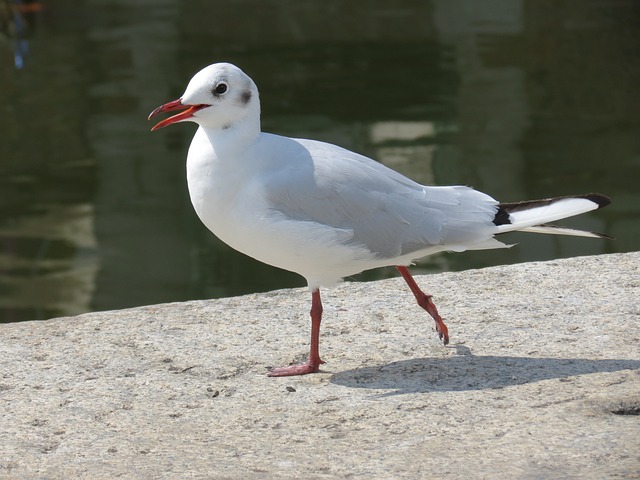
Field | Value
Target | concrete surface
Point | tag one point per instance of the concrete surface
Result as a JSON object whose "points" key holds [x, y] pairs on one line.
{"points": [[542, 380]]}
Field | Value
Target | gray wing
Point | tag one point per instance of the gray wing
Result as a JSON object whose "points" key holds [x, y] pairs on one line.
{"points": [[386, 211]]}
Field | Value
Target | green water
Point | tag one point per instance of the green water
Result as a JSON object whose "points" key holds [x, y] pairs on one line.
{"points": [[520, 99]]}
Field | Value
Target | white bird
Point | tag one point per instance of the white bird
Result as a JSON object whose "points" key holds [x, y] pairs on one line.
{"points": [[326, 212]]}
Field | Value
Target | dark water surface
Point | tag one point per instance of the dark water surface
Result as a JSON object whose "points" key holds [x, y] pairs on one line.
{"points": [[520, 99]]}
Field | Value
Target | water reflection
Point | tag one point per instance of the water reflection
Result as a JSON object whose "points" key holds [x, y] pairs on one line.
{"points": [[17, 18], [95, 213]]}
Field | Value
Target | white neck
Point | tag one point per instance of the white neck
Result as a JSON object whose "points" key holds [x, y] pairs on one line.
{"points": [[228, 141]]}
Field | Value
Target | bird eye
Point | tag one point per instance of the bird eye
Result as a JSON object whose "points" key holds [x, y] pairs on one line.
{"points": [[220, 88]]}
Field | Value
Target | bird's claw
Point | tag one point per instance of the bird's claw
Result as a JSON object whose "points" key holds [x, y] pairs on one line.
{"points": [[292, 370], [443, 331]]}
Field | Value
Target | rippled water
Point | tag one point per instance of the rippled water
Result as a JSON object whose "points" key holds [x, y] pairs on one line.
{"points": [[521, 99]]}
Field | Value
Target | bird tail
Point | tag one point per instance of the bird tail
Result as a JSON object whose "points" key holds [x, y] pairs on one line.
{"points": [[534, 215]]}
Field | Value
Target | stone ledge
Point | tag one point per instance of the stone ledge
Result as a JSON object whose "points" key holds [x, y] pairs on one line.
{"points": [[543, 365]]}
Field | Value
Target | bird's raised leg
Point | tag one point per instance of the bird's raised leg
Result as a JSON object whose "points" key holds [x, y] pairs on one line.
{"points": [[313, 365], [425, 302]]}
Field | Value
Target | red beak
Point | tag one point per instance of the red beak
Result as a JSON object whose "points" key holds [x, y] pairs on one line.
{"points": [[171, 106]]}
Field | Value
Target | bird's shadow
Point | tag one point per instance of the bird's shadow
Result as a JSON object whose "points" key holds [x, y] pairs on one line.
{"points": [[466, 371]]}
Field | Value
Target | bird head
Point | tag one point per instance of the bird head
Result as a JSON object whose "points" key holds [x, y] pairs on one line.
{"points": [[217, 97]]}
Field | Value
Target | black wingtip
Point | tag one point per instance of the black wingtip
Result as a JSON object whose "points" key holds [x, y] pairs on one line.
{"points": [[503, 215], [604, 235], [598, 198]]}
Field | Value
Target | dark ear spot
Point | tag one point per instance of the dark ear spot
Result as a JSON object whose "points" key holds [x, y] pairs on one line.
{"points": [[245, 97]]}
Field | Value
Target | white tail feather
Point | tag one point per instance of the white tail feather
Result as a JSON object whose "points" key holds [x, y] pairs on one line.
{"points": [[553, 230], [538, 215]]}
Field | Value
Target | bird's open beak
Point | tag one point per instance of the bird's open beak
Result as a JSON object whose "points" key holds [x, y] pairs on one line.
{"points": [[171, 106]]}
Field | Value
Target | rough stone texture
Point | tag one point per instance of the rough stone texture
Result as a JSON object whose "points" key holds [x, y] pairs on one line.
{"points": [[544, 360]]}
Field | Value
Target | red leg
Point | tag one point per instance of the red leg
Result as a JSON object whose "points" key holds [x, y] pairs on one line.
{"points": [[313, 365], [425, 302]]}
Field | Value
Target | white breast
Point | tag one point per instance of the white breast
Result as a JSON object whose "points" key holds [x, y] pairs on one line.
{"points": [[229, 197]]}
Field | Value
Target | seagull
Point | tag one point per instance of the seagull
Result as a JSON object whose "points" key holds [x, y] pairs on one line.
{"points": [[325, 212]]}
